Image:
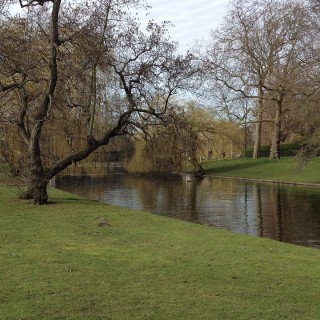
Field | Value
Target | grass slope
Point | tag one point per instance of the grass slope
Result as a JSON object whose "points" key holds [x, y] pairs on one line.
{"points": [[285, 169], [57, 263]]}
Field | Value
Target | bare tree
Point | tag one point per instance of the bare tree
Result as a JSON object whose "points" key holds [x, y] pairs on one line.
{"points": [[261, 42], [85, 64], [28, 3]]}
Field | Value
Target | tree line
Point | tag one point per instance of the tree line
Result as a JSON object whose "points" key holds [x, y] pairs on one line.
{"points": [[76, 76], [262, 67]]}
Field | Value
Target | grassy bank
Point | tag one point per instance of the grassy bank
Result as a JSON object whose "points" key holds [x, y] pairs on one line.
{"points": [[56, 262], [285, 169]]}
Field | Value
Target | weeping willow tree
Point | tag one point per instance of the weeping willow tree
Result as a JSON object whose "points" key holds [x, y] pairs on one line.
{"points": [[178, 138]]}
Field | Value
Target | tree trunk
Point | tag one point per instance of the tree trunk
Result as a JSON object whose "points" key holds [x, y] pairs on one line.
{"points": [[37, 190], [245, 140], [37, 178], [40, 194], [38, 181], [275, 145], [257, 143]]}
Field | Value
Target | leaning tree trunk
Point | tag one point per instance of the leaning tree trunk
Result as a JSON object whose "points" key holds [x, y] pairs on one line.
{"points": [[38, 181], [37, 190], [36, 177]]}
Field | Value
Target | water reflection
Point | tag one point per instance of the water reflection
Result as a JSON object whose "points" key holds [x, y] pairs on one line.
{"points": [[284, 213]]}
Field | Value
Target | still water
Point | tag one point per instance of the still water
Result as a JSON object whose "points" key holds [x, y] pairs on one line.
{"points": [[280, 212]]}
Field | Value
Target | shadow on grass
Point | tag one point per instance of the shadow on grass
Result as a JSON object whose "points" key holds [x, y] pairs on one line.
{"points": [[76, 200], [233, 165]]}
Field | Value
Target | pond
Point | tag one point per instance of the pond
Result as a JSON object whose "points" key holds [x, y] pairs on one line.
{"points": [[277, 211]]}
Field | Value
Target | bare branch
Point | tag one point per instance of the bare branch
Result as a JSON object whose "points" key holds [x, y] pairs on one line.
{"points": [[29, 3]]}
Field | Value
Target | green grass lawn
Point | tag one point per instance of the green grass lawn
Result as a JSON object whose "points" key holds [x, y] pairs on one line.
{"points": [[57, 263], [285, 169]]}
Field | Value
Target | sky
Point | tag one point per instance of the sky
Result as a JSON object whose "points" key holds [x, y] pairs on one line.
{"points": [[193, 20]]}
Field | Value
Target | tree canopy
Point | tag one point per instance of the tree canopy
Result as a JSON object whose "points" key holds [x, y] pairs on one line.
{"points": [[81, 73]]}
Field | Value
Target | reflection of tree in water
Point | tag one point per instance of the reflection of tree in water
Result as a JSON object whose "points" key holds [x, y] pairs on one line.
{"points": [[280, 212], [301, 218], [269, 211], [286, 214], [246, 208], [173, 195], [220, 202], [279, 217], [157, 193]]}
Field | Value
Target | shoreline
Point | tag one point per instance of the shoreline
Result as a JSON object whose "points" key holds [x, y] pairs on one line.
{"points": [[301, 184]]}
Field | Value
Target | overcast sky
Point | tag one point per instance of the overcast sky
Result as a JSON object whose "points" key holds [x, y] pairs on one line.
{"points": [[192, 19]]}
